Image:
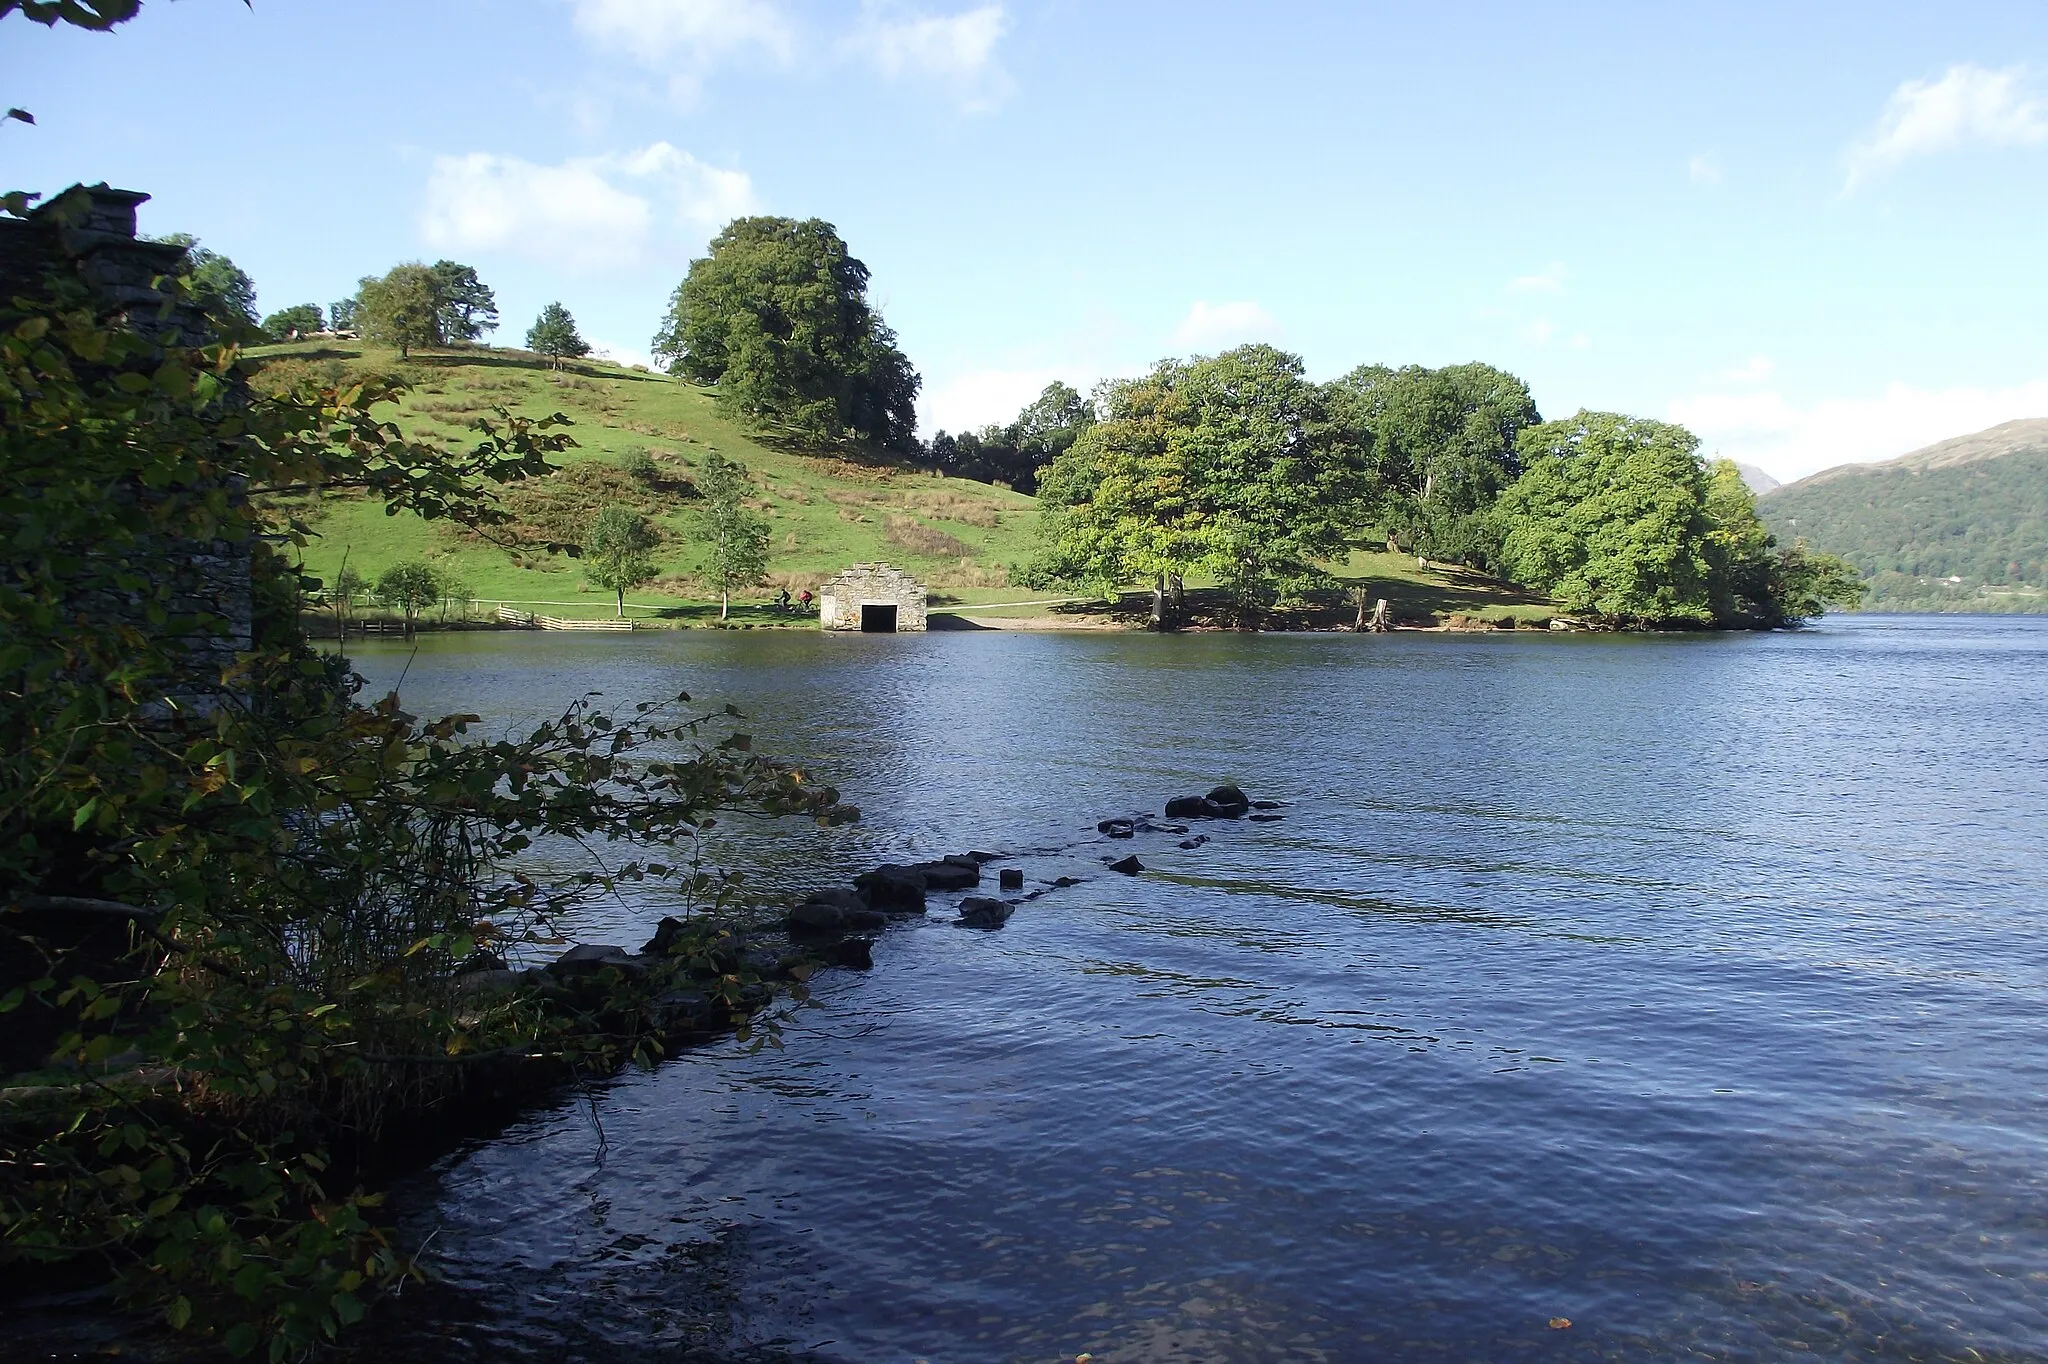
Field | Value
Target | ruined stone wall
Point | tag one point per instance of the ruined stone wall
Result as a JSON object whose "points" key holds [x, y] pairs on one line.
{"points": [[842, 596]]}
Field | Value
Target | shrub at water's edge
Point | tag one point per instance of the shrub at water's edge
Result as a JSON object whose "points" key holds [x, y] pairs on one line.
{"points": [[232, 895]]}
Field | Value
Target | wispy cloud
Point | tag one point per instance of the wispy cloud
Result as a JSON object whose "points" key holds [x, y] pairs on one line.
{"points": [[1968, 104], [685, 39], [589, 213], [1704, 169], [1791, 440], [1754, 370], [955, 51], [1214, 326], [1548, 280]]}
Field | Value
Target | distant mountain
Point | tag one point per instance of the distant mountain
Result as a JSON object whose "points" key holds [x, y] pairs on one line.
{"points": [[1961, 525], [1759, 482]]}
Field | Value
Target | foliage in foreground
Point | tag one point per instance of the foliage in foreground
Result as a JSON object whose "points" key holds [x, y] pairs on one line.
{"points": [[290, 876]]}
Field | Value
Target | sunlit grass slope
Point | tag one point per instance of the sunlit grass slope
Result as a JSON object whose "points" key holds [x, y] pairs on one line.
{"points": [[824, 511]]}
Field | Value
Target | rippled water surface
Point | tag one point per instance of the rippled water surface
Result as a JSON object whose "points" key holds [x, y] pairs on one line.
{"points": [[1688, 989]]}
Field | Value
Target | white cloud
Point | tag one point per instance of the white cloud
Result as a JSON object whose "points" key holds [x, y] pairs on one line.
{"points": [[1217, 326], [588, 212], [1968, 104], [1764, 428], [1540, 331], [954, 50], [1704, 170], [684, 38], [1754, 370], [1548, 280]]}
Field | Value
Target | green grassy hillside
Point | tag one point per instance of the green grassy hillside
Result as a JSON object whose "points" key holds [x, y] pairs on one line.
{"points": [[1959, 526], [825, 511]]}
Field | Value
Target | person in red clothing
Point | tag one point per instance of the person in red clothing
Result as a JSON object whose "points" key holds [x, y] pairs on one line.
{"points": [[805, 599]]}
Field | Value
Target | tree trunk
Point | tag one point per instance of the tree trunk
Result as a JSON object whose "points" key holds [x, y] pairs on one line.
{"points": [[1159, 602], [622, 603], [724, 601], [1176, 599]]}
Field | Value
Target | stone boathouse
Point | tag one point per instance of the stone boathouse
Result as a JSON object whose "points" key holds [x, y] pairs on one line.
{"points": [[874, 598]]}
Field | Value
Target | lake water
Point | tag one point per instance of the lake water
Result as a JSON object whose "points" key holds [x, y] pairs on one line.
{"points": [[1690, 990]]}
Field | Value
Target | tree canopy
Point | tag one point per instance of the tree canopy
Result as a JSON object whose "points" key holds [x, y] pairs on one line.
{"points": [[1442, 445], [467, 307], [401, 309], [777, 316], [223, 291], [303, 318], [1014, 454], [1227, 465], [554, 335], [616, 553], [735, 537]]}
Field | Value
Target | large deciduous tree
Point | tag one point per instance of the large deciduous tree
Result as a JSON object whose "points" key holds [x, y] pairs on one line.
{"points": [[1228, 465], [777, 316], [554, 335], [223, 291], [1014, 454], [402, 309]]}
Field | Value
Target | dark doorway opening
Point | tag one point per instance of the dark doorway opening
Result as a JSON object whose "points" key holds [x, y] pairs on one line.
{"points": [[877, 620]]}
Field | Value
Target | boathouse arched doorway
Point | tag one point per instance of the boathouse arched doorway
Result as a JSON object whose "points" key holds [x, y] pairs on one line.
{"points": [[878, 618]]}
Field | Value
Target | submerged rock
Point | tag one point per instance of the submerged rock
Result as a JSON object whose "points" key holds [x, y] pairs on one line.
{"points": [[982, 911], [1266, 818], [1190, 843], [1129, 866], [856, 953], [949, 873], [833, 911], [1117, 828], [1010, 878]]}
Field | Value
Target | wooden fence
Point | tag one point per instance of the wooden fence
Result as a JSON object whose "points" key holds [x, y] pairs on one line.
{"points": [[532, 620]]}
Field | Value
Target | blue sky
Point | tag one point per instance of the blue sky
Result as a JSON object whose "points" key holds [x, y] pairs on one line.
{"points": [[1814, 232]]}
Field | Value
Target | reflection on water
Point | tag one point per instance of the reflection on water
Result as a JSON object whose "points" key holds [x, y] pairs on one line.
{"points": [[1687, 989]]}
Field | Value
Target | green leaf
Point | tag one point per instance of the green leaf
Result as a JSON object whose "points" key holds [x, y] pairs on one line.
{"points": [[83, 813]]}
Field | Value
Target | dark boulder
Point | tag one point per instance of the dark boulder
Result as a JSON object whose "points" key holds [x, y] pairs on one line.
{"points": [[587, 959], [1061, 883], [893, 889], [950, 873], [666, 934], [1197, 841], [1187, 807], [1010, 878], [1265, 805], [480, 961], [1229, 798], [986, 856], [1117, 828], [833, 911], [981, 911], [856, 953], [1266, 818], [1129, 866]]}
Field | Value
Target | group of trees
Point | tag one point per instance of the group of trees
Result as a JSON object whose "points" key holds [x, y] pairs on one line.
{"points": [[1238, 468], [618, 551], [420, 305], [777, 317], [1015, 452]]}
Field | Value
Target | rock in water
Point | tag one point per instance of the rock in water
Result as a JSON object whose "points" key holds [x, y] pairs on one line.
{"points": [[1011, 878], [950, 873], [1190, 843], [1117, 828], [1187, 807], [1229, 798], [1129, 866], [587, 959], [980, 911], [857, 953], [1266, 818], [893, 889]]}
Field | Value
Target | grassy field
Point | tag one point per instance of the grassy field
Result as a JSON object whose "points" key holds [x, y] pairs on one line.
{"points": [[963, 539], [824, 512]]}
